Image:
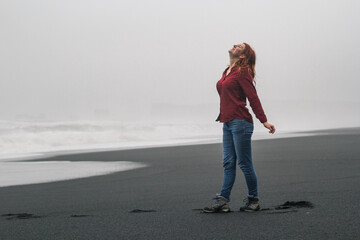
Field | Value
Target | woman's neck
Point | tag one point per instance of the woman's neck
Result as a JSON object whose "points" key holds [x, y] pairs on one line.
{"points": [[233, 62]]}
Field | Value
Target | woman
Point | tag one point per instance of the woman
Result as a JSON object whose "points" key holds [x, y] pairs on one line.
{"points": [[237, 84]]}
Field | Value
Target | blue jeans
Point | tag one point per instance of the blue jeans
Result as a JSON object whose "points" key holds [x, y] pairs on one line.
{"points": [[237, 147]]}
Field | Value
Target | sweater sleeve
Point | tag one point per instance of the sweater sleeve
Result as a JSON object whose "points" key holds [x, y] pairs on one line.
{"points": [[245, 80]]}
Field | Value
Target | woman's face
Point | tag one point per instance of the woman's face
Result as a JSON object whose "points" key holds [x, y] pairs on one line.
{"points": [[237, 50]]}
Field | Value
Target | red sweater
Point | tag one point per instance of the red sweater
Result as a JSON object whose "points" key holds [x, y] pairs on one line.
{"points": [[233, 90]]}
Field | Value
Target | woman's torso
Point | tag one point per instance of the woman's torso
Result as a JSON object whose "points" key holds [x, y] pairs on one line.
{"points": [[232, 97], [235, 86]]}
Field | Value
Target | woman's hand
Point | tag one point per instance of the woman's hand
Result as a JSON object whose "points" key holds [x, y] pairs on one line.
{"points": [[270, 127]]}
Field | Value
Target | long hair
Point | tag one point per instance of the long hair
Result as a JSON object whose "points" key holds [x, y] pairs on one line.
{"points": [[248, 61]]}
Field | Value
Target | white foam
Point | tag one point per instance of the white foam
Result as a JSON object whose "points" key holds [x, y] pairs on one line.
{"points": [[34, 140], [29, 138], [23, 140], [22, 173]]}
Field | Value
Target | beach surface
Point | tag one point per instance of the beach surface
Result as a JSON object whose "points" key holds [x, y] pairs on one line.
{"points": [[163, 199]]}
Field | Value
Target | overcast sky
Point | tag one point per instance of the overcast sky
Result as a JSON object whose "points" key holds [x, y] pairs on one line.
{"points": [[131, 60]]}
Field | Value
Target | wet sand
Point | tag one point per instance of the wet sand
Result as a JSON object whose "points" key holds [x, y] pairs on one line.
{"points": [[162, 201]]}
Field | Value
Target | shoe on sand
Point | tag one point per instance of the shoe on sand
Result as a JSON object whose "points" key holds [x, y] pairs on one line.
{"points": [[251, 205], [221, 204]]}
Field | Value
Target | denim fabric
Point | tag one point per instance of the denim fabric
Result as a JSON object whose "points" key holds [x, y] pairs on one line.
{"points": [[237, 147]]}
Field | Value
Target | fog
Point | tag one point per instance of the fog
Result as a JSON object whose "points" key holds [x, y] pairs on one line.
{"points": [[159, 61]]}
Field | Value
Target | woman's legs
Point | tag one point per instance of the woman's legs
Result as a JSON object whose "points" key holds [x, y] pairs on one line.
{"points": [[229, 162], [242, 140], [237, 147]]}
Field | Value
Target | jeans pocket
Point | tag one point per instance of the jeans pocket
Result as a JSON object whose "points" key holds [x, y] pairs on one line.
{"points": [[249, 127], [237, 125]]}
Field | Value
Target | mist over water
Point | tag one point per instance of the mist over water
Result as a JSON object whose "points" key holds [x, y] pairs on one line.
{"points": [[93, 73]]}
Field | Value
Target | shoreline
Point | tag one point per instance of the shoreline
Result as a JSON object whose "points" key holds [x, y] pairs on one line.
{"points": [[184, 142], [47, 173]]}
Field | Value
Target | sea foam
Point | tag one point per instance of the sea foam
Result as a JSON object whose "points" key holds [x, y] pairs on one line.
{"points": [[23, 173], [19, 139], [33, 140]]}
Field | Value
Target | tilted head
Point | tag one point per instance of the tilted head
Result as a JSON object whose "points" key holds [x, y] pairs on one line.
{"points": [[246, 57]]}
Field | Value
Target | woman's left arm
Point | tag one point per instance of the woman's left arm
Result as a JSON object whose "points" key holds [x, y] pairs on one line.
{"points": [[245, 81]]}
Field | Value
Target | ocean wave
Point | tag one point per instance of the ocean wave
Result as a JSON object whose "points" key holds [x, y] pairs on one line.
{"points": [[21, 138]]}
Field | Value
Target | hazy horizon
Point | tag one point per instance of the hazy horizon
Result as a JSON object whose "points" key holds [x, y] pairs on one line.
{"points": [[160, 60]]}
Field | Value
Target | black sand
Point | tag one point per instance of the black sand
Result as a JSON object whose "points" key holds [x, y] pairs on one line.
{"points": [[161, 201]]}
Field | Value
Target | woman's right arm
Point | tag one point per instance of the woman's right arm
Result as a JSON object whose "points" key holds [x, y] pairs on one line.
{"points": [[270, 127], [245, 82]]}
